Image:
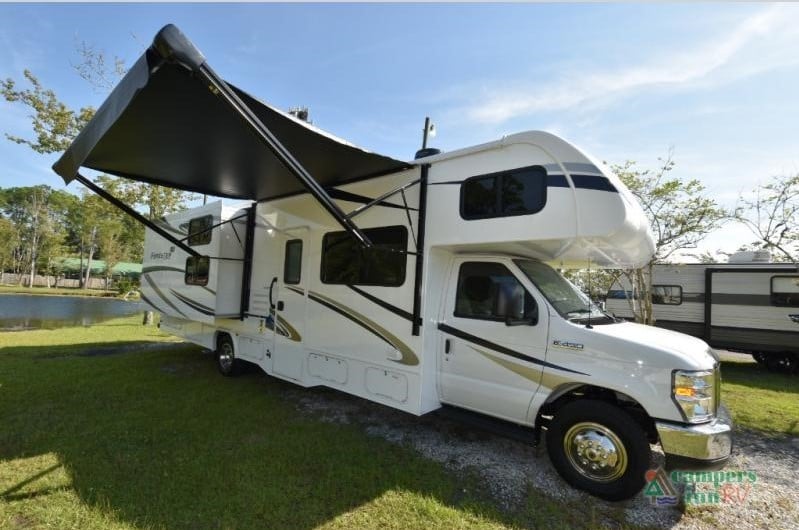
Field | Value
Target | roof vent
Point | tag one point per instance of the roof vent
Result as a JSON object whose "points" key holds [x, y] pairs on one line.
{"points": [[427, 151], [751, 256]]}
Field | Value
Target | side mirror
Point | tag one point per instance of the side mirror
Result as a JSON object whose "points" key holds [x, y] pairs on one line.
{"points": [[510, 303]]}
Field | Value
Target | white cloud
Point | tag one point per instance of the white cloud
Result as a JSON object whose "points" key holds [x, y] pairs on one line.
{"points": [[765, 41]]}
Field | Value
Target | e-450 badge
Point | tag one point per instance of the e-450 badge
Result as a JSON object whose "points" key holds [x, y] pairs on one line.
{"points": [[568, 345]]}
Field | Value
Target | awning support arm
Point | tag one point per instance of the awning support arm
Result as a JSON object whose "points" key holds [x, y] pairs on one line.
{"points": [[136, 215], [359, 210], [221, 89]]}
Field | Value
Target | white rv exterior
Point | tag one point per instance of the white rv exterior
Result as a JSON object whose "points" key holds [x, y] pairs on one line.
{"points": [[496, 333], [753, 306]]}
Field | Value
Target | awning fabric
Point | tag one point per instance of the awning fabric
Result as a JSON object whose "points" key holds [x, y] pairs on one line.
{"points": [[163, 125]]}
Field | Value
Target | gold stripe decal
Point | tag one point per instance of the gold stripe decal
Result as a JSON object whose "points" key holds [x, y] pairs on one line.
{"points": [[408, 356], [533, 374], [547, 380]]}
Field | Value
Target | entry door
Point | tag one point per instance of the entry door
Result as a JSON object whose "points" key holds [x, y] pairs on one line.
{"points": [[485, 364], [289, 293]]}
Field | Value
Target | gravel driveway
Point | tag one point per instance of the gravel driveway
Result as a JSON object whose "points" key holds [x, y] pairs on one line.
{"points": [[510, 468]]}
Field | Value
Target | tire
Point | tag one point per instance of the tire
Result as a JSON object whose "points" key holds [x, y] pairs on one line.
{"points": [[785, 363], [225, 356], [761, 358], [581, 427]]}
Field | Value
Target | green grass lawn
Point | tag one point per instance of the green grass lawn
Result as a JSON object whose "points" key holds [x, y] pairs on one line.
{"points": [[158, 439], [761, 400]]}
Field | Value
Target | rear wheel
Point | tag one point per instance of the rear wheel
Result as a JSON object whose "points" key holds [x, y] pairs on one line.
{"points": [[782, 362], [599, 448], [760, 357], [226, 360]]}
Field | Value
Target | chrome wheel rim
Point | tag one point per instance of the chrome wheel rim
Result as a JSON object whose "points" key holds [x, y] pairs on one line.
{"points": [[595, 451], [225, 356]]}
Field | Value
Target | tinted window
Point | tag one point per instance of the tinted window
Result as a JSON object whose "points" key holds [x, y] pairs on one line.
{"points": [[667, 294], [345, 261], [480, 197], [516, 192], [200, 230], [785, 291], [197, 270], [485, 288], [292, 269]]}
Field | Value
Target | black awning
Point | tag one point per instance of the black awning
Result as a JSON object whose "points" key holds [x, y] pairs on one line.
{"points": [[165, 125]]}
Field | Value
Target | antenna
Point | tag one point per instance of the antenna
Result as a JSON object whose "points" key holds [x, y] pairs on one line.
{"points": [[429, 129], [588, 325]]}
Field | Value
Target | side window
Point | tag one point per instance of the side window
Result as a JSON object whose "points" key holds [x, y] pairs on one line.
{"points": [[785, 291], [345, 261], [485, 291], [197, 270], [292, 268], [667, 294], [517, 192], [200, 230]]}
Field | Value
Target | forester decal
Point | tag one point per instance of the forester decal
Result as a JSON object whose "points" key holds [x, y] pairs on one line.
{"points": [[408, 356]]}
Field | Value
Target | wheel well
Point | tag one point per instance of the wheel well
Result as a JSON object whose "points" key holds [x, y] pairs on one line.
{"points": [[218, 336], [565, 396]]}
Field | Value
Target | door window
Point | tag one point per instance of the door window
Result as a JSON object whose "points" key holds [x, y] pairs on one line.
{"points": [[292, 268], [485, 291]]}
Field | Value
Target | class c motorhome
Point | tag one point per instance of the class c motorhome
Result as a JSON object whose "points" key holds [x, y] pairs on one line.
{"points": [[417, 285]]}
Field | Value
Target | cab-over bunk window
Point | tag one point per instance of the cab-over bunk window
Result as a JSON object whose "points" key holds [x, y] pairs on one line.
{"points": [[520, 191], [347, 262]]}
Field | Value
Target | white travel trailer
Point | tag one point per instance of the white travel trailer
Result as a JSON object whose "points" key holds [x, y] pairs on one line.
{"points": [[753, 306], [439, 296]]}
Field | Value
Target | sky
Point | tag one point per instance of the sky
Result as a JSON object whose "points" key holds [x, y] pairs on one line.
{"points": [[714, 84]]}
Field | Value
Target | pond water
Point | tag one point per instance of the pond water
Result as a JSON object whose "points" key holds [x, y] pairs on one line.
{"points": [[20, 311]]}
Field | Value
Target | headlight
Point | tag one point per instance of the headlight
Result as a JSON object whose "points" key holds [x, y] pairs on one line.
{"points": [[695, 394]]}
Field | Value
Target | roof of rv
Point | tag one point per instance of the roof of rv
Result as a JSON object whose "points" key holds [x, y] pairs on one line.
{"points": [[162, 125]]}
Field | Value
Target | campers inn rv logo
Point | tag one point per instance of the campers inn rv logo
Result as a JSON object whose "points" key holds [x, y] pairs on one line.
{"points": [[701, 487]]}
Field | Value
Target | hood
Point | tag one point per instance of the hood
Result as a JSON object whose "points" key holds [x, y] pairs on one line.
{"points": [[656, 346]]}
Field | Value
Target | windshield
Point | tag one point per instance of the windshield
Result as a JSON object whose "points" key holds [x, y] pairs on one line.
{"points": [[568, 300]]}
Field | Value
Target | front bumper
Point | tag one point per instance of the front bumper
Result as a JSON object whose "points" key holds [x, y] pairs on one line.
{"points": [[702, 446]]}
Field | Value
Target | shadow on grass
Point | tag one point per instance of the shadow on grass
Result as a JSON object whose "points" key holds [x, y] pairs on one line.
{"points": [[203, 451], [755, 375]]}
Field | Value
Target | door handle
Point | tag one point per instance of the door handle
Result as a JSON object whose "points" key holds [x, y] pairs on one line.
{"points": [[446, 346], [271, 287], [280, 305], [794, 318]]}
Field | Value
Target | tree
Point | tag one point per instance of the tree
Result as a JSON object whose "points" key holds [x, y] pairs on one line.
{"points": [[55, 126], [8, 245], [772, 215], [38, 215], [680, 215]]}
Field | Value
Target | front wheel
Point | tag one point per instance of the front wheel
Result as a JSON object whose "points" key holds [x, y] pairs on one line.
{"points": [[599, 448]]}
